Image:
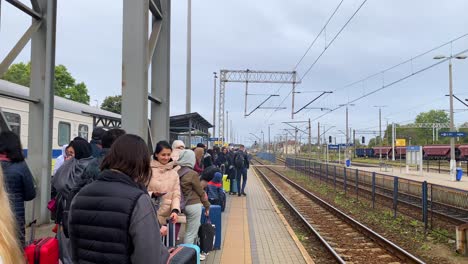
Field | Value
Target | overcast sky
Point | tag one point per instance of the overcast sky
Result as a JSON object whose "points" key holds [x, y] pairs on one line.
{"points": [[273, 35]]}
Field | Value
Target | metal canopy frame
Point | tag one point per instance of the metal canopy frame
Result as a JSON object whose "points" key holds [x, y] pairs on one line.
{"points": [[41, 32], [250, 76], [139, 54]]}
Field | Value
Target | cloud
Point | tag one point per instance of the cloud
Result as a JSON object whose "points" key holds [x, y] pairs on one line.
{"points": [[273, 35]]}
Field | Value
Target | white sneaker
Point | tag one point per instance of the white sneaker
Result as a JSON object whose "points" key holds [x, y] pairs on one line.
{"points": [[202, 257]]}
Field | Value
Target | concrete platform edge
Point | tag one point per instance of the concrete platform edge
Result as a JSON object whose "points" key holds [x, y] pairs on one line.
{"points": [[299, 245]]}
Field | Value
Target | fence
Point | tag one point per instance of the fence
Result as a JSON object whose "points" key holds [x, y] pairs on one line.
{"points": [[400, 195], [267, 156]]}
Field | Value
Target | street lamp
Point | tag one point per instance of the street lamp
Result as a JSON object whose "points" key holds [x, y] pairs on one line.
{"points": [[214, 103], [452, 123]]}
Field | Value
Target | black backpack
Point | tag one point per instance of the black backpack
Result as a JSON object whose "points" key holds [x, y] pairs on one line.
{"points": [[239, 160]]}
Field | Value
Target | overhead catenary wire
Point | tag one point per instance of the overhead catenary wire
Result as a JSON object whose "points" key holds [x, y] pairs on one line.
{"points": [[318, 35], [381, 72], [323, 52], [393, 83], [310, 46]]}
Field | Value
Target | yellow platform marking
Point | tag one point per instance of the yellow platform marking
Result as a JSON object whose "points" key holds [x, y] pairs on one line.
{"points": [[236, 247]]}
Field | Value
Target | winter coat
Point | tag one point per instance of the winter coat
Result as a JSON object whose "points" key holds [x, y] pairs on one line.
{"points": [[197, 168], [215, 187], [207, 160], [19, 184], [192, 190], [165, 179], [112, 221]]}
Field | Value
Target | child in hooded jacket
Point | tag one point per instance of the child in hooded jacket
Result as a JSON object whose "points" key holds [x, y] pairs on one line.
{"points": [[215, 191]]}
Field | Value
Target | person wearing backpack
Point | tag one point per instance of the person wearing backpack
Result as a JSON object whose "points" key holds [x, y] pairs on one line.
{"points": [[241, 162], [165, 184], [215, 191], [193, 195]]}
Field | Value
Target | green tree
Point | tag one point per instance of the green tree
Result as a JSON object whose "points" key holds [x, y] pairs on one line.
{"points": [[373, 142], [433, 116], [112, 104], [18, 73], [424, 135], [64, 83]]}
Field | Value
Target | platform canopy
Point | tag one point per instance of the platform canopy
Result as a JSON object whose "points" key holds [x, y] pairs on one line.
{"points": [[189, 125]]}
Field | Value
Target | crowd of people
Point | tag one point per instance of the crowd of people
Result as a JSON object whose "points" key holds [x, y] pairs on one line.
{"points": [[112, 201]]}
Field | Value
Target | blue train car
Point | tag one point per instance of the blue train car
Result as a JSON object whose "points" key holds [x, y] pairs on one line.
{"points": [[364, 152]]}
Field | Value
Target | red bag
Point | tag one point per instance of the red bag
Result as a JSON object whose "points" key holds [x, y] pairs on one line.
{"points": [[43, 251], [52, 205]]}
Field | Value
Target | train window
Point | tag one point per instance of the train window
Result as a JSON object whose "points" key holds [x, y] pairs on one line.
{"points": [[14, 121], [83, 131], [63, 133]]}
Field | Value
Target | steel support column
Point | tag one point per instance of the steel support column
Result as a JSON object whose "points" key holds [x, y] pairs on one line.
{"points": [[41, 113], [160, 77], [134, 67]]}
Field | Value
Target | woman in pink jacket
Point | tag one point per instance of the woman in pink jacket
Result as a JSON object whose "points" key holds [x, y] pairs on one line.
{"points": [[165, 184]]}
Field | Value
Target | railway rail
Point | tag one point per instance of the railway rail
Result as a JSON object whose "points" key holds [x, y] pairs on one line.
{"points": [[446, 211], [347, 240]]}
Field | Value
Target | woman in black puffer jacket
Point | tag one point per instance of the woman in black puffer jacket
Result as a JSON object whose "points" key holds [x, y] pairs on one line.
{"points": [[19, 181]]}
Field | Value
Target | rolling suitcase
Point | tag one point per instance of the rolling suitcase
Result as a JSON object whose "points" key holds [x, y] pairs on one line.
{"points": [[183, 255], [215, 219], [194, 247], [170, 239], [42, 250], [226, 183], [234, 186]]}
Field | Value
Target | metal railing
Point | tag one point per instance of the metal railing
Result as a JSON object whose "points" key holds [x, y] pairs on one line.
{"points": [[398, 194]]}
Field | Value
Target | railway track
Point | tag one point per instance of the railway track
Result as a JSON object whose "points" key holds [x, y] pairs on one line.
{"points": [[347, 240], [453, 214]]}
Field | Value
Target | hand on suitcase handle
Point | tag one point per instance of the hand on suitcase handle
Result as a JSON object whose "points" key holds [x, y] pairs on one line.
{"points": [[163, 230], [207, 212], [174, 217]]}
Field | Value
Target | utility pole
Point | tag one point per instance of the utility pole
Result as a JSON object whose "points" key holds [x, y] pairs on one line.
{"points": [[354, 142], [227, 129], [452, 127], [380, 127], [310, 137], [188, 97], [214, 104], [452, 123], [318, 133], [393, 141], [295, 142]]}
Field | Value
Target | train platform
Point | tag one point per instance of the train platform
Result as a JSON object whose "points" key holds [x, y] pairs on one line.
{"points": [[255, 231], [431, 177]]}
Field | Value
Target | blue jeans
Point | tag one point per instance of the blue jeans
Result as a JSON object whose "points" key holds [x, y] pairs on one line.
{"points": [[241, 172]]}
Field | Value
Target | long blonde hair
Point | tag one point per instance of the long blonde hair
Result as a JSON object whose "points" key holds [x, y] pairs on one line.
{"points": [[10, 251]]}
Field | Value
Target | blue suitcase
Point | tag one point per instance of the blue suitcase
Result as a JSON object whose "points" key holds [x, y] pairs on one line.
{"points": [[215, 217], [234, 185], [195, 247]]}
